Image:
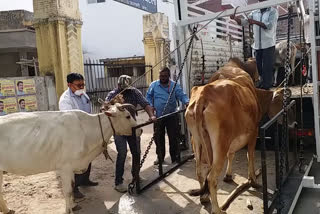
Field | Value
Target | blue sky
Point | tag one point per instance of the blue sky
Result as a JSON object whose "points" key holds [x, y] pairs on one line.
{"points": [[16, 5]]}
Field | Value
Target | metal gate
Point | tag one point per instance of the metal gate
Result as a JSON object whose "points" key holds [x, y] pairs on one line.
{"points": [[101, 79]]}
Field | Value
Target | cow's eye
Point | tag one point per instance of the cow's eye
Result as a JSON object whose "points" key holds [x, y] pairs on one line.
{"points": [[128, 117]]}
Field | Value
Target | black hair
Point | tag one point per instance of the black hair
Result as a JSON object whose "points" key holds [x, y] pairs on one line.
{"points": [[73, 77], [1, 101], [165, 69], [19, 83], [21, 101]]}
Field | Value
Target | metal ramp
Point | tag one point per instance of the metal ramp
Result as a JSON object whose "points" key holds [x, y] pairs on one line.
{"points": [[307, 196]]}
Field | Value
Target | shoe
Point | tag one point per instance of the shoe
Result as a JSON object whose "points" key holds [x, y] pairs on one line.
{"points": [[77, 194], [121, 188], [89, 183]]}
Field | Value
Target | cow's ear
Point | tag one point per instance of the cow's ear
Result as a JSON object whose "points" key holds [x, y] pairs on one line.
{"points": [[109, 114]]}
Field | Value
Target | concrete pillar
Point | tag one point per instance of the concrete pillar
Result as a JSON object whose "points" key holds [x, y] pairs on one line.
{"points": [[156, 42], [58, 34]]}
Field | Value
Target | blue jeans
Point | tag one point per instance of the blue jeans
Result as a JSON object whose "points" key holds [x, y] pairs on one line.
{"points": [[121, 145]]}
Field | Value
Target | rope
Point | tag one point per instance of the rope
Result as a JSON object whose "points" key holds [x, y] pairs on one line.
{"points": [[105, 144]]}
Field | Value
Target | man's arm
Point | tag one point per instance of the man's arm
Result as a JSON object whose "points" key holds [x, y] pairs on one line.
{"points": [[143, 102], [181, 95], [150, 112], [248, 20], [272, 20], [150, 94]]}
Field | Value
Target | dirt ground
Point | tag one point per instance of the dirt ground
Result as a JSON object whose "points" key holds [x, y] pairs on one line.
{"points": [[42, 193]]}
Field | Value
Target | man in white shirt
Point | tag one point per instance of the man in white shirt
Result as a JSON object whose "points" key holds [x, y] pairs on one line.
{"points": [[264, 23], [76, 98]]}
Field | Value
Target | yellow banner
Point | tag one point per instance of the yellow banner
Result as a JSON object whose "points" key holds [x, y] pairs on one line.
{"points": [[26, 86], [7, 88], [27, 103], [8, 105]]}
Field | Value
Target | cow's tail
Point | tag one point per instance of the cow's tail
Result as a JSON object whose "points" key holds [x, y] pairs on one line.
{"points": [[201, 126], [204, 137]]}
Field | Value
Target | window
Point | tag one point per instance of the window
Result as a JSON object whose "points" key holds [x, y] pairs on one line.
{"points": [[95, 1]]}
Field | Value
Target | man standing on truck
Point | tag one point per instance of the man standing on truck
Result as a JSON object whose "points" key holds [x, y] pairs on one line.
{"points": [[264, 23]]}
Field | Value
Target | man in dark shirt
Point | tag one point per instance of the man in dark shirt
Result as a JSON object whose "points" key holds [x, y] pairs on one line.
{"points": [[133, 96]]}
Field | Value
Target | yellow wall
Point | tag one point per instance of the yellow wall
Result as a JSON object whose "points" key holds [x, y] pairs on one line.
{"points": [[156, 39], [58, 35]]}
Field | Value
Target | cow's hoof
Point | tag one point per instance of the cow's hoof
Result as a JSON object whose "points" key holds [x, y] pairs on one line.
{"points": [[77, 208], [204, 199], [228, 178], [11, 212], [194, 192]]}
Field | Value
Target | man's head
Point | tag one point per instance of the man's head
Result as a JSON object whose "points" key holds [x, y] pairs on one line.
{"points": [[22, 104], [124, 81], [20, 85], [164, 75], [1, 106], [75, 81]]}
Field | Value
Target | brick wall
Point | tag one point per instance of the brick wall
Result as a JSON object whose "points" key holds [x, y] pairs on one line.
{"points": [[56, 8], [15, 19]]}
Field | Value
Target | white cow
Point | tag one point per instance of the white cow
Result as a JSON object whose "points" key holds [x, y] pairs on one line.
{"points": [[281, 57], [65, 141]]}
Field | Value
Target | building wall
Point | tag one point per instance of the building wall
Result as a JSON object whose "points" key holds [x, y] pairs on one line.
{"points": [[15, 19], [112, 29], [53, 8], [45, 92], [8, 66]]}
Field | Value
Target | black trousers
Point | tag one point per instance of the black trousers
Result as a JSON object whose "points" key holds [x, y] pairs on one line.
{"points": [[265, 62], [80, 179], [171, 125]]}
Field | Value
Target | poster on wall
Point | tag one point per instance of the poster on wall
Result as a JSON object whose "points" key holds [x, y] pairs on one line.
{"points": [[27, 103], [8, 105], [26, 86], [7, 88]]}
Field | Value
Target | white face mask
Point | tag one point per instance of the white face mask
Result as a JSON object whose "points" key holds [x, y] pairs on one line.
{"points": [[79, 92]]}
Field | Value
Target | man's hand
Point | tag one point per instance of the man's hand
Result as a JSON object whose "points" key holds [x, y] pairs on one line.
{"points": [[153, 118]]}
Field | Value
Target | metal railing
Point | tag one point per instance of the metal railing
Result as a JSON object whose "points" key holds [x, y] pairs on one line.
{"points": [[276, 197], [162, 173]]}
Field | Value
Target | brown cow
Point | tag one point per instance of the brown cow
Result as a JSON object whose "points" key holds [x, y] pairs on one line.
{"points": [[223, 117]]}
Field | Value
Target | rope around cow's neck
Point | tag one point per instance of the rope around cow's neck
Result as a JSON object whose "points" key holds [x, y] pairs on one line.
{"points": [[105, 144]]}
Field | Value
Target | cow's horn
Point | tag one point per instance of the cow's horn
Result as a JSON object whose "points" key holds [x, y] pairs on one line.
{"points": [[122, 106], [101, 101]]}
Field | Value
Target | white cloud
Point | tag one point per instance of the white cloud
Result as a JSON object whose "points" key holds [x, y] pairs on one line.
{"points": [[16, 5]]}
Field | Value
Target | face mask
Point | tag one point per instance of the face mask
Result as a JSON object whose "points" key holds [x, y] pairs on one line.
{"points": [[79, 92]]}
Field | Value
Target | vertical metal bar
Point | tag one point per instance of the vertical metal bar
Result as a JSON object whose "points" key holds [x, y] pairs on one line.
{"points": [[277, 153], [264, 170], [136, 165], [98, 75], [90, 75], [287, 145], [295, 144], [314, 54], [244, 44]]}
